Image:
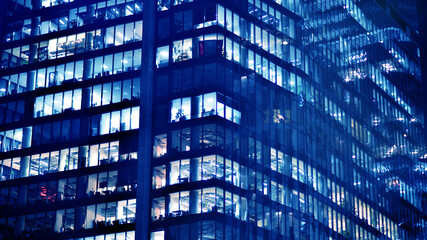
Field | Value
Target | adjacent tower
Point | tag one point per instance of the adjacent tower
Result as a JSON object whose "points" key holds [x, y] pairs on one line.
{"points": [[286, 120]]}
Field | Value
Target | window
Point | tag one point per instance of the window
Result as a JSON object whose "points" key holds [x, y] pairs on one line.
{"points": [[208, 104], [12, 140], [129, 31], [159, 177], [162, 59], [118, 63], [137, 58], [115, 122], [119, 35], [182, 50], [71, 72], [158, 209], [179, 171], [179, 203], [177, 2], [209, 167], [134, 118], [181, 109], [159, 235], [138, 31], [160, 145], [72, 44]]}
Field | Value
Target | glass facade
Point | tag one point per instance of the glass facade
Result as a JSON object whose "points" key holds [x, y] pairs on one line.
{"points": [[69, 118], [285, 120], [268, 119]]}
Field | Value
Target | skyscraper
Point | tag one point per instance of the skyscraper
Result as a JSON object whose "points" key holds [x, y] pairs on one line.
{"points": [[70, 90], [197, 119]]}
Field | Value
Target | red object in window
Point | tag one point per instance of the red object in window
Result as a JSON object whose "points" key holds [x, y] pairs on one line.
{"points": [[201, 48], [48, 193]]}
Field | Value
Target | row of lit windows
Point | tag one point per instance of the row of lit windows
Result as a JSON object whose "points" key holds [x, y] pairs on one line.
{"points": [[64, 220], [303, 172], [56, 161], [293, 5], [208, 104], [297, 169], [114, 92], [208, 167], [43, 3], [100, 124], [218, 230], [217, 200], [62, 102], [280, 162], [272, 17], [163, 5], [401, 58], [73, 44], [376, 73], [382, 82], [62, 160], [374, 218], [213, 44], [218, 15], [251, 32], [271, 43], [75, 17], [51, 3], [198, 169], [129, 235], [409, 193], [364, 160], [204, 200], [97, 95], [103, 183], [71, 72], [106, 183]]}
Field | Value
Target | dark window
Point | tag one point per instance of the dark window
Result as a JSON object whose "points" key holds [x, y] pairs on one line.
{"points": [[56, 131], [75, 129], [66, 130], [46, 133], [210, 13]]}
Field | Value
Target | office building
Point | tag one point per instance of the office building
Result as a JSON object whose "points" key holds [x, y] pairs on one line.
{"points": [[69, 118], [197, 119]]}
